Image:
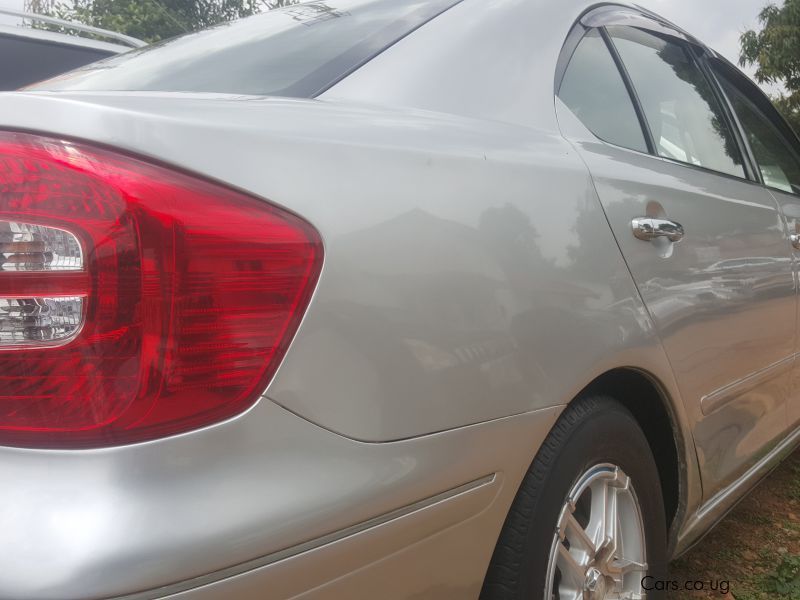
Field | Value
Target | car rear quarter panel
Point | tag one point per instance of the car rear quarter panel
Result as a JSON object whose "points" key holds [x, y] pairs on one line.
{"points": [[469, 272], [469, 275]]}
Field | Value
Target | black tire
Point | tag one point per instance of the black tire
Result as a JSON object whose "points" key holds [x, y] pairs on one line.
{"points": [[591, 430]]}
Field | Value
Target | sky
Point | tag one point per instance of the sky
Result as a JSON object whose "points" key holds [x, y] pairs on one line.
{"points": [[14, 4], [718, 23]]}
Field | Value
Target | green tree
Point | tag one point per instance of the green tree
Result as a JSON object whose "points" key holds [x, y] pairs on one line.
{"points": [[152, 20], [775, 49]]}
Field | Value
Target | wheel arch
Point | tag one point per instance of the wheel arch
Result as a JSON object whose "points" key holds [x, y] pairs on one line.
{"points": [[650, 404]]}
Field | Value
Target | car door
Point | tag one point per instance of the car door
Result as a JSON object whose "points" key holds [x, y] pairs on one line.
{"points": [[775, 150], [705, 243]]}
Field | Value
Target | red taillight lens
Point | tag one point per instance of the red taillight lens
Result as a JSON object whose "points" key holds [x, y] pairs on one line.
{"points": [[175, 315]]}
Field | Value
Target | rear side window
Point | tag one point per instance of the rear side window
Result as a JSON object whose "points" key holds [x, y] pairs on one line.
{"points": [[683, 113], [297, 51], [28, 60], [594, 90], [775, 156]]}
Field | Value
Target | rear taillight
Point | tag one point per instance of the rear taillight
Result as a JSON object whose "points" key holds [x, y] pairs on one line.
{"points": [[136, 301]]}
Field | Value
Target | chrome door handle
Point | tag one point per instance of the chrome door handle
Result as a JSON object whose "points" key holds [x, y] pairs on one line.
{"points": [[795, 239], [645, 228]]}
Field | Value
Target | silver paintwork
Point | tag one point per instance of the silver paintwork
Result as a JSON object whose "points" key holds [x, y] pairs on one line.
{"points": [[472, 287], [396, 352], [723, 501], [790, 208], [723, 298], [245, 496]]}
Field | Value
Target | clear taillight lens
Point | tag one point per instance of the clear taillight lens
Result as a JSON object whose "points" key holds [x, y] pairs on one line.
{"points": [[136, 301], [39, 321], [28, 247]]}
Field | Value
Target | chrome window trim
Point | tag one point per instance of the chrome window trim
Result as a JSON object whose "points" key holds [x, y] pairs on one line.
{"points": [[695, 53], [629, 17], [632, 93], [749, 89], [750, 165], [601, 16]]}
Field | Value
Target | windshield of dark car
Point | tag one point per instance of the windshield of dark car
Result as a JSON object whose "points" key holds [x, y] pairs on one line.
{"points": [[27, 59]]}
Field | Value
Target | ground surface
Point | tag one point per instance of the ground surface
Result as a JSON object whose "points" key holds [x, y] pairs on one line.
{"points": [[755, 550]]}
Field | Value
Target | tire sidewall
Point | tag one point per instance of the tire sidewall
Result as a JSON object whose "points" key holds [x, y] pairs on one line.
{"points": [[610, 435]]}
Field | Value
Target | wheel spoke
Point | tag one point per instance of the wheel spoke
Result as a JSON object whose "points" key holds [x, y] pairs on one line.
{"points": [[624, 566], [617, 569], [611, 522], [572, 573], [574, 531], [602, 518]]}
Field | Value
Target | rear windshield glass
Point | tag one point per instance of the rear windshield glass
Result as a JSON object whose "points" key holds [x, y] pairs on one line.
{"points": [[297, 51]]}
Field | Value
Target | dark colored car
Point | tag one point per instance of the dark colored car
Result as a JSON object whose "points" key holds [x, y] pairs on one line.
{"points": [[31, 54]]}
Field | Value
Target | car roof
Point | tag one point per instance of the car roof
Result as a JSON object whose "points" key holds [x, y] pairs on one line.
{"points": [[495, 60]]}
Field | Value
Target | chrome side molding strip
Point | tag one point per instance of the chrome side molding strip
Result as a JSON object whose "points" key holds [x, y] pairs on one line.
{"points": [[188, 584], [721, 503], [719, 398]]}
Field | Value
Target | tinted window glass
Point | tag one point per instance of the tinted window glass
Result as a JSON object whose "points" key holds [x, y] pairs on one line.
{"points": [[296, 51], [678, 101], [25, 60], [777, 162], [594, 90]]}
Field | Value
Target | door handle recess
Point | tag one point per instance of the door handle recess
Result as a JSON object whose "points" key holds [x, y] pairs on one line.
{"points": [[647, 229], [795, 239]]}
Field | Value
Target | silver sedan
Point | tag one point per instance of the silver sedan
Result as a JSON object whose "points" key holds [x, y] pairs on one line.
{"points": [[391, 299]]}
